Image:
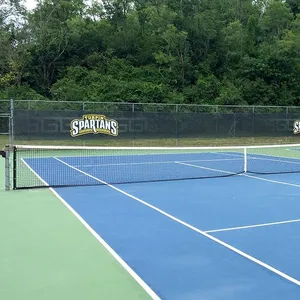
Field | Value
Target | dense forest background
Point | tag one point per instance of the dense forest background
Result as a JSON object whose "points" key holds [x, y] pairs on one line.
{"points": [[164, 51]]}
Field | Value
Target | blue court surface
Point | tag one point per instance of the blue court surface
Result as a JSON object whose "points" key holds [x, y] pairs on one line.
{"points": [[233, 238]]}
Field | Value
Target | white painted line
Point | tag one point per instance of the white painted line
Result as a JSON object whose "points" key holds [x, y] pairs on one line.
{"points": [[243, 174], [253, 226], [51, 147], [250, 156], [243, 254], [270, 180], [154, 162], [205, 168], [140, 281]]}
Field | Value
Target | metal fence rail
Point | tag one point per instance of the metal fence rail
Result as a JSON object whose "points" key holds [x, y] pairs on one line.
{"points": [[47, 120], [145, 124], [142, 107]]}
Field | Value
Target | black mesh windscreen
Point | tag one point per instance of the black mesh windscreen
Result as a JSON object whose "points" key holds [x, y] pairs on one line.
{"points": [[33, 125]]}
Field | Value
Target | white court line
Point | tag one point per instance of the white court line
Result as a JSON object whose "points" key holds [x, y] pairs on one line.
{"points": [[205, 168], [263, 158], [156, 162], [137, 278], [270, 180], [242, 174], [253, 226], [220, 242]]}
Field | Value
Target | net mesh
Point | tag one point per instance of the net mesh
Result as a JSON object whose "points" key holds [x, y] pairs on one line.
{"points": [[42, 166]]}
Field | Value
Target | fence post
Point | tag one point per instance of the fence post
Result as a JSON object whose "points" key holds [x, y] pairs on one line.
{"points": [[176, 120], [9, 148], [287, 122], [11, 123], [133, 122], [253, 123]]}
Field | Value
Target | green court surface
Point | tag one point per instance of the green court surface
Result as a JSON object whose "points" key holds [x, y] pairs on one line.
{"points": [[46, 253]]}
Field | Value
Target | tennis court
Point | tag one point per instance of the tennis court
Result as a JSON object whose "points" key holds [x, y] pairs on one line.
{"points": [[185, 223]]}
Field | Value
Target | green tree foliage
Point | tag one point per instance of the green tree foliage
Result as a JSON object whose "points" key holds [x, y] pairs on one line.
{"points": [[165, 51], [294, 5], [10, 13]]}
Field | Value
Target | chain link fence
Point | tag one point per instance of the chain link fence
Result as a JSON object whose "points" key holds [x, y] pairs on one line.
{"points": [[4, 124], [142, 107], [4, 118], [39, 121]]}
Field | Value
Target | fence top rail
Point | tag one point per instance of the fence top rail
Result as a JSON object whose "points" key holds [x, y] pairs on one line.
{"points": [[152, 103]]}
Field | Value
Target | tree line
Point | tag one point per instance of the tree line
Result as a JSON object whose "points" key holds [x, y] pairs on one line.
{"points": [[244, 52]]}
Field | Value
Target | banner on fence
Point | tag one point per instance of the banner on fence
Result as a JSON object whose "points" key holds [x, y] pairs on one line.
{"points": [[67, 124]]}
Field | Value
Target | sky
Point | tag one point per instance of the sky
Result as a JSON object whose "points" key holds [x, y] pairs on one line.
{"points": [[30, 4]]}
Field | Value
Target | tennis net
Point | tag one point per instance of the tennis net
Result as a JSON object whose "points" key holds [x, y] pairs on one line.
{"points": [[59, 166]]}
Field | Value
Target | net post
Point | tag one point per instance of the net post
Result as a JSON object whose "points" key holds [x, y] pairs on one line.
{"points": [[9, 147], [7, 168], [14, 168], [245, 160]]}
